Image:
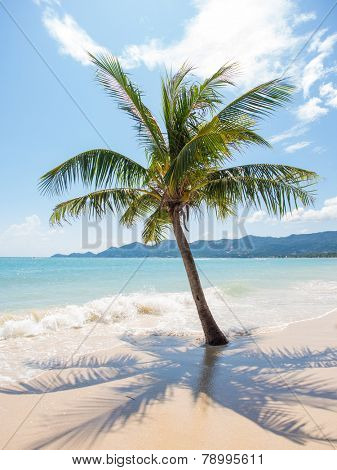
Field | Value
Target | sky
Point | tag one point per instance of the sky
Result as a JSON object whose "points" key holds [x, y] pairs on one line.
{"points": [[52, 107]]}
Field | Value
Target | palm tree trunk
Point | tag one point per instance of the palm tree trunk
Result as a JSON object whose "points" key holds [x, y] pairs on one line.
{"points": [[213, 334]]}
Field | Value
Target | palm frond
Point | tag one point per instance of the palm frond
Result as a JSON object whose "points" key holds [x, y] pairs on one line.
{"points": [[185, 105], [202, 150], [278, 188], [224, 205], [259, 101], [129, 98], [209, 90], [97, 167], [156, 226], [184, 171], [175, 81], [212, 145], [174, 91], [96, 204], [268, 170], [139, 208]]}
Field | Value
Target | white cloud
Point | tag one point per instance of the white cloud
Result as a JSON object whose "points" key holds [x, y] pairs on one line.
{"points": [[31, 223], [322, 45], [261, 39], [257, 216], [311, 110], [319, 149], [33, 236], [32, 226], [330, 93], [315, 69], [326, 45], [72, 39], [304, 17], [30, 238], [47, 2], [327, 212], [297, 146], [262, 51], [295, 131]]}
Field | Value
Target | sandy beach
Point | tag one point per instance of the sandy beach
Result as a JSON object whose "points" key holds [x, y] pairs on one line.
{"points": [[276, 390]]}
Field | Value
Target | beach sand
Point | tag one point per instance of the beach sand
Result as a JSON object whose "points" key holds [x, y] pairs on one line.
{"points": [[273, 390]]}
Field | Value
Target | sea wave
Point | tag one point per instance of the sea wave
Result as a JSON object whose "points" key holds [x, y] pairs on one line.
{"points": [[124, 311], [237, 307], [58, 333]]}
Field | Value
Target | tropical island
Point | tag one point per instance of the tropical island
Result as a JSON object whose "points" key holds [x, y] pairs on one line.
{"points": [[313, 245]]}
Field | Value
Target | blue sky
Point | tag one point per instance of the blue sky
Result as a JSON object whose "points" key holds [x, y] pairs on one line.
{"points": [[43, 46]]}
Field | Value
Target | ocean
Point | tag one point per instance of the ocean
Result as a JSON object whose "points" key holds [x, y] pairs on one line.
{"points": [[50, 306]]}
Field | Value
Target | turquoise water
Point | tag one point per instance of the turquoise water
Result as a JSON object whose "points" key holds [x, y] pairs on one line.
{"points": [[35, 283], [50, 306]]}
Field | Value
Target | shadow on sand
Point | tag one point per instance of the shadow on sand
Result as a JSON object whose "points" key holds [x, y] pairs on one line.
{"points": [[268, 388]]}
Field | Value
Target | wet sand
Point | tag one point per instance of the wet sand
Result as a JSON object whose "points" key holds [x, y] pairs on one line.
{"points": [[276, 390]]}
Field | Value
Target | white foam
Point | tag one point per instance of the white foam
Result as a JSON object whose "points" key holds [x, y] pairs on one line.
{"points": [[175, 313], [123, 309], [47, 334]]}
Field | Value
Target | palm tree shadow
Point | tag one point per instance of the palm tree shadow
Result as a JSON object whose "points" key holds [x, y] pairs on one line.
{"points": [[265, 388]]}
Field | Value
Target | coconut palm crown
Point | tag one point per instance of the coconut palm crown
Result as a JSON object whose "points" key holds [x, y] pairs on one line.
{"points": [[189, 163]]}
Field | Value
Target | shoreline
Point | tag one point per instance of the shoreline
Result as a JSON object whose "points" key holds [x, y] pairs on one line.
{"points": [[261, 330], [271, 390], [37, 315]]}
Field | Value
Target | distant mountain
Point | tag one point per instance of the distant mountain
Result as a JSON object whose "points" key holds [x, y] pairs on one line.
{"points": [[314, 244], [88, 254]]}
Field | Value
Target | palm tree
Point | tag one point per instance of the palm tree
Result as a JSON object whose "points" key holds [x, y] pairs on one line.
{"points": [[187, 163]]}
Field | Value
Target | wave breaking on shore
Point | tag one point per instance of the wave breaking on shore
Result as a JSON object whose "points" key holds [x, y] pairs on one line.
{"points": [[175, 313], [127, 312]]}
